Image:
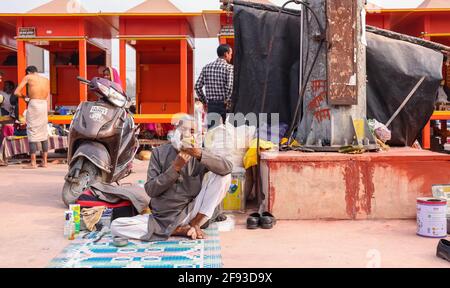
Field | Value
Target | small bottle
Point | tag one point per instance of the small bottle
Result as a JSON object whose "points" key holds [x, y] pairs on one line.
{"points": [[106, 217], [72, 230], [67, 223]]}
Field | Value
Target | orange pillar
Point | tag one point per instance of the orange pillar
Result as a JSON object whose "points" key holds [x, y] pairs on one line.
{"points": [[387, 21], [108, 57], [427, 26], [21, 66], [183, 76], [138, 82], [426, 143], [82, 68], [123, 63]]}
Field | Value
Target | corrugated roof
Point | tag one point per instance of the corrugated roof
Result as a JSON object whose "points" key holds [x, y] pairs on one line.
{"points": [[435, 4], [107, 6], [371, 6], [408, 5], [59, 7], [178, 6], [155, 6], [117, 6], [20, 7]]}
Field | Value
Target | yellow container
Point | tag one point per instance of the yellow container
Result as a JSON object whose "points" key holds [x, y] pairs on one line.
{"points": [[234, 201], [76, 216]]}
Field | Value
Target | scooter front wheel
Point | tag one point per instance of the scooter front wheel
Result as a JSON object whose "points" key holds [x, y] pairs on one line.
{"points": [[73, 188]]}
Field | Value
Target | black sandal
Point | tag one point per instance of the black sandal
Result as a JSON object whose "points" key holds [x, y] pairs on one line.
{"points": [[267, 220], [253, 221]]}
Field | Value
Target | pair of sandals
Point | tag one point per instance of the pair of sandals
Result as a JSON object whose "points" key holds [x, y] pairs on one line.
{"points": [[265, 220]]}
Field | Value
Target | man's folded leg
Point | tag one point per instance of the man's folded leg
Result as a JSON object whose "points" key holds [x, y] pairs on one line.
{"points": [[130, 227], [214, 189]]}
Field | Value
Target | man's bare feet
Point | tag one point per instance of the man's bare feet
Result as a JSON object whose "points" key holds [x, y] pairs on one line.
{"points": [[199, 232], [43, 165], [32, 163], [196, 223], [29, 167], [193, 232], [182, 230]]}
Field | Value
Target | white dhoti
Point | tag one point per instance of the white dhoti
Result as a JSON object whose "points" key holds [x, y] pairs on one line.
{"points": [[214, 189], [37, 120]]}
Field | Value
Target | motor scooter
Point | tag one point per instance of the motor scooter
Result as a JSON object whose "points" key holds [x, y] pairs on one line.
{"points": [[102, 140]]}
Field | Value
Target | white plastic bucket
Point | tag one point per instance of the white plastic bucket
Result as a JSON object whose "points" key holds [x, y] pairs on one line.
{"points": [[431, 217]]}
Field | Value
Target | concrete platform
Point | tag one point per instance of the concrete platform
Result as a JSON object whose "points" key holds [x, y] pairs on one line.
{"points": [[381, 185], [321, 243], [32, 232]]}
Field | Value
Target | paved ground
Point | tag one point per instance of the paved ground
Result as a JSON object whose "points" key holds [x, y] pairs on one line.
{"points": [[31, 232]]}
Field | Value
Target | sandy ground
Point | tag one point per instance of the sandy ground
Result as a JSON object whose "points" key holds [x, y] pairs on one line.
{"points": [[32, 232]]}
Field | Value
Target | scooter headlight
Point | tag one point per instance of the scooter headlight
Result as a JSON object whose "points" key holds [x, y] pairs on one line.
{"points": [[116, 98], [103, 88]]}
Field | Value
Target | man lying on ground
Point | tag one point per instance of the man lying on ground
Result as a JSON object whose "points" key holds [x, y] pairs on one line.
{"points": [[185, 187]]}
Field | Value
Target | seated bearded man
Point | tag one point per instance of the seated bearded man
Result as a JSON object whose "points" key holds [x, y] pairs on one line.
{"points": [[185, 186]]}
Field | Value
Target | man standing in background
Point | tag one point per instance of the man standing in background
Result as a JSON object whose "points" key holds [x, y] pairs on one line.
{"points": [[217, 78], [7, 109], [38, 89]]}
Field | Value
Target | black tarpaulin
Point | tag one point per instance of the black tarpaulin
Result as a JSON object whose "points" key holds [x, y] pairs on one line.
{"points": [[393, 69], [254, 26]]}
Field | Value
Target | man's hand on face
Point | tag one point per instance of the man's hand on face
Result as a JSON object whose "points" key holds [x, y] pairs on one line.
{"points": [[194, 152], [181, 160]]}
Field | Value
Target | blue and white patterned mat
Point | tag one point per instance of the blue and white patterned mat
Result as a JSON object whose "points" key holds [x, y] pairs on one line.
{"points": [[175, 253]]}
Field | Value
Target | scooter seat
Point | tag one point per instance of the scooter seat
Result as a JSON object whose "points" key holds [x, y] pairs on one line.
{"points": [[88, 199]]}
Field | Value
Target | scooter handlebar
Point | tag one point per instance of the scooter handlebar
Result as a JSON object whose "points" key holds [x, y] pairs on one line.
{"points": [[81, 79]]}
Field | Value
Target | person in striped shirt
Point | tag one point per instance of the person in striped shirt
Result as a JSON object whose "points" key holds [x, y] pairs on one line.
{"points": [[217, 79]]}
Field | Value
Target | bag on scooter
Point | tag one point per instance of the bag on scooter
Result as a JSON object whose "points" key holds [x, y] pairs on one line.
{"points": [[123, 208]]}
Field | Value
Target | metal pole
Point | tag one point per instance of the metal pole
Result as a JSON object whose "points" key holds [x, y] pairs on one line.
{"points": [[405, 101]]}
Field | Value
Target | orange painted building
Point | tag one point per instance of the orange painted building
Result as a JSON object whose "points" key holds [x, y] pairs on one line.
{"points": [[226, 35], [8, 52], [77, 46], [164, 59], [78, 39]]}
